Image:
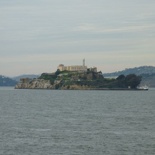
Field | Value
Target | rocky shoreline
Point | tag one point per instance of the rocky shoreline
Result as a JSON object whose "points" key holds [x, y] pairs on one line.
{"points": [[45, 84], [35, 84]]}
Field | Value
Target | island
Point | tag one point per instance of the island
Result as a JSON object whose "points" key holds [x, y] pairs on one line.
{"points": [[80, 78]]}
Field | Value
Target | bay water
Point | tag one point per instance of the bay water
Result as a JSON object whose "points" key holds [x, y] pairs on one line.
{"points": [[76, 122]]}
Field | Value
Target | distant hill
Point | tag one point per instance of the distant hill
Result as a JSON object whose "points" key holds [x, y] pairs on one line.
{"points": [[30, 76], [137, 70], [6, 81], [148, 80], [147, 73]]}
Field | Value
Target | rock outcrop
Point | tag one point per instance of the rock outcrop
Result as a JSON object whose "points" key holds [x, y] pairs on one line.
{"points": [[35, 84]]}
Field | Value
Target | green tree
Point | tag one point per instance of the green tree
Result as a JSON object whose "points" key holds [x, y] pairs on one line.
{"points": [[57, 72], [120, 81], [132, 80], [121, 77]]}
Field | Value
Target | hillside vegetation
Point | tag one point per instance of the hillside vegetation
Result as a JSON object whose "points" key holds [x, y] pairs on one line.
{"points": [[146, 72], [5, 81], [89, 80]]}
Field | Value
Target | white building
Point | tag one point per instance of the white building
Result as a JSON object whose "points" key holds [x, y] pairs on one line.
{"points": [[77, 68], [83, 68]]}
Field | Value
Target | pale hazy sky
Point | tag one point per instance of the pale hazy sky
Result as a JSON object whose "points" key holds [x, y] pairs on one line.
{"points": [[37, 35]]}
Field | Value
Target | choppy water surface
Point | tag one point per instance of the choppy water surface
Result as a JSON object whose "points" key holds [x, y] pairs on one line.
{"points": [[53, 122]]}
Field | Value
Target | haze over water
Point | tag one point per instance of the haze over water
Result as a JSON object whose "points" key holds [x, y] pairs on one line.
{"points": [[53, 122]]}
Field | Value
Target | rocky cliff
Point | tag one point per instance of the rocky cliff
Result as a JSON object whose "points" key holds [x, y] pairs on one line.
{"points": [[34, 84], [46, 84]]}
